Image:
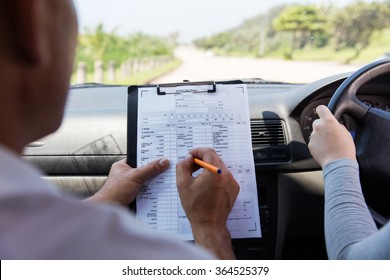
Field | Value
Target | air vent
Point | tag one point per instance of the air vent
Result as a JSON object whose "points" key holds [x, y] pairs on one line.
{"points": [[267, 133], [269, 142]]}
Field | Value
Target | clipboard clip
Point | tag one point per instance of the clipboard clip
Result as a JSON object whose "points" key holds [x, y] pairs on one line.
{"points": [[186, 88]]}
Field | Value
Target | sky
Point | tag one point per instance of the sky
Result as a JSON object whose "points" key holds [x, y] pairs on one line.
{"points": [[192, 19]]}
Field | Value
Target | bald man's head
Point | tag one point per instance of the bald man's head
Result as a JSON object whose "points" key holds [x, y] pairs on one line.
{"points": [[37, 47]]}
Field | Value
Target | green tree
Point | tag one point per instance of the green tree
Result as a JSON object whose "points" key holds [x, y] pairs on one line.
{"points": [[252, 37], [93, 45], [356, 23], [303, 22], [96, 40], [97, 44], [216, 42]]}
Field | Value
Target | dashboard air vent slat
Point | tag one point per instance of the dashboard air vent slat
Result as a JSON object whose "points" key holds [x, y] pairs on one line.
{"points": [[267, 133]]}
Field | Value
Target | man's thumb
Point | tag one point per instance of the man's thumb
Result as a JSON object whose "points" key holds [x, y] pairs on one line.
{"points": [[152, 169]]}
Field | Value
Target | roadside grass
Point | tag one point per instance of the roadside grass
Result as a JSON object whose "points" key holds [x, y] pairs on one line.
{"points": [[137, 78]]}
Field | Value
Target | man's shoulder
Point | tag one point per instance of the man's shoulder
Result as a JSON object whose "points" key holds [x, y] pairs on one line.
{"points": [[48, 226]]}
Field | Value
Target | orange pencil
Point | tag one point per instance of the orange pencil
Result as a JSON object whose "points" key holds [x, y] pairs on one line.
{"points": [[208, 166]]}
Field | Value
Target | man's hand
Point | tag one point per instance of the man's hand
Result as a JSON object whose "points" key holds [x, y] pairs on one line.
{"points": [[330, 140], [124, 182], [207, 200]]}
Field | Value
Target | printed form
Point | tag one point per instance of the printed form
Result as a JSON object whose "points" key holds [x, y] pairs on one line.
{"points": [[171, 125]]}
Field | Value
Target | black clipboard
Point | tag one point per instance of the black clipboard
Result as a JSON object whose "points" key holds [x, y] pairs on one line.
{"points": [[162, 89], [174, 88]]}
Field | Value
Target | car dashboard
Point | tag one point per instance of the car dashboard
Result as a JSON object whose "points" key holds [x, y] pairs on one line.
{"points": [[77, 158]]}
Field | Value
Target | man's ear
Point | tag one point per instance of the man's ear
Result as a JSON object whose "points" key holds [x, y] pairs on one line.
{"points": [[28, 30]]}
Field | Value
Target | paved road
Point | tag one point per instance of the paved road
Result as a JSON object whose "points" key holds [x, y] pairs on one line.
{"points": [[201, 66]]}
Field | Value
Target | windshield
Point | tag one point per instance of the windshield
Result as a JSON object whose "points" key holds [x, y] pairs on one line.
{"points": [[140, 42]]}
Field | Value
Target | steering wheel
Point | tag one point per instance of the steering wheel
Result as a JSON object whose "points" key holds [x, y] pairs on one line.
{"points": [[373, 141]]}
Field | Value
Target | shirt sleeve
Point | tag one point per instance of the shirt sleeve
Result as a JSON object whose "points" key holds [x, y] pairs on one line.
{"points": [[47, 226], [350, 231]]}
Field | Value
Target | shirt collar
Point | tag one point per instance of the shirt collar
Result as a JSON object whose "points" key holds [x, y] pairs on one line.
{"points": [[18, 175]]}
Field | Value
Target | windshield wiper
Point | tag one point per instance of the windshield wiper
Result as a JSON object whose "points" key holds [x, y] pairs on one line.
{"points": [[92, 85], [262, 81]]}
